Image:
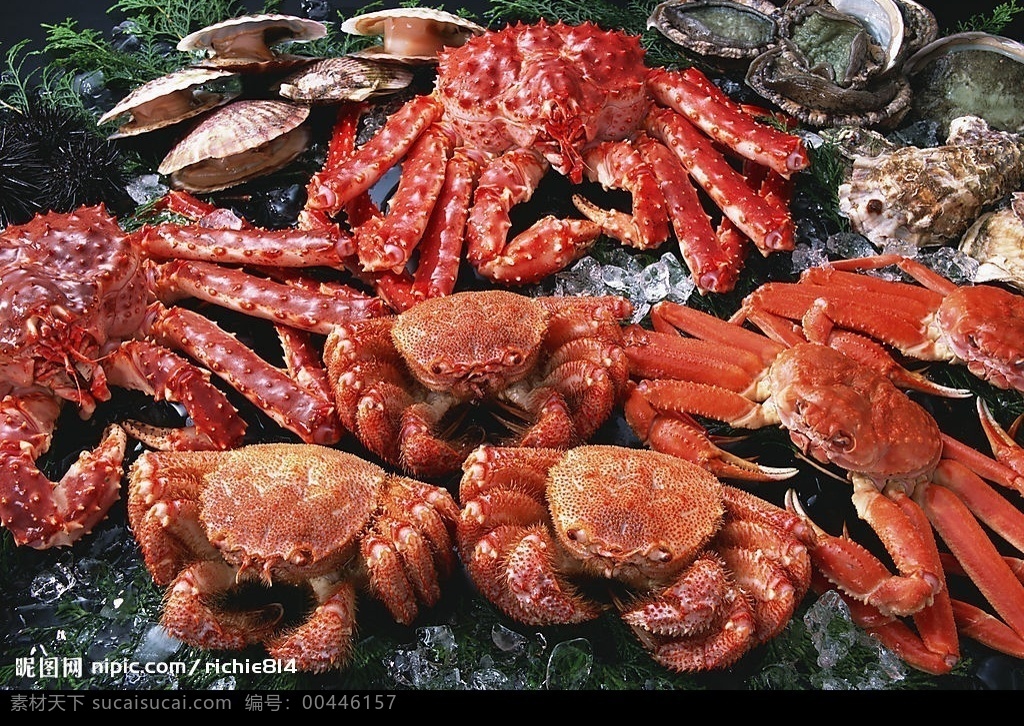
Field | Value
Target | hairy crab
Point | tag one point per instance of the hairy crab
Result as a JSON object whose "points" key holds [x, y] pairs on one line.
{"points": [[293, 514], [422, 388], [78, 315], [511, 104], [907, 476], [709, 571]]}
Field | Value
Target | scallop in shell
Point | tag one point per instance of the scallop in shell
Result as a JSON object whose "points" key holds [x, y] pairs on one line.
{"points": [[969, 73], [411, 34], [247, 42], [996, 240], [170, 99], [930, 196], [731, 30], [344, 79], [238, 142]]}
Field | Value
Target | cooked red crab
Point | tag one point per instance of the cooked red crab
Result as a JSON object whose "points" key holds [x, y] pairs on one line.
{"points": [[295, 514], [709, 570], [423, 388], [509, 105], [76, 318], [907, 477]]}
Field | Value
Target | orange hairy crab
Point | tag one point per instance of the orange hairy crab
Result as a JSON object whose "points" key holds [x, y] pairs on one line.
{"points": [[509, 105], [293, 514], [422, 388], [907, 476], [701, 572]]}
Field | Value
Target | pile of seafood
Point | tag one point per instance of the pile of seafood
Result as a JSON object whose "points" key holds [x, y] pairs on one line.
{"points": [[438, 418]]}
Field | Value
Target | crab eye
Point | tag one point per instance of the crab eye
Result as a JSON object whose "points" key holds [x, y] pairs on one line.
{"points": [[660, 555], [841, 441], [437, 367], [513, 358], [576, 535]]}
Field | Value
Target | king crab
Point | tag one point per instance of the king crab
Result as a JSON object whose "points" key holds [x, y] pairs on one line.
{"points": [[507, 106], [548, 371], [293, 514], [709, 571], [907, 476], [77, 316]]}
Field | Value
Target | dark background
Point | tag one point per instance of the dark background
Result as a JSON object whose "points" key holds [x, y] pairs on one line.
{"points": [[24, 18]]}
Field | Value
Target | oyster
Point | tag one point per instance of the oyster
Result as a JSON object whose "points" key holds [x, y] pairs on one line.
{"points": [[247, 42], [729, 30], [168, 100], [930, 196], [344, 79], [996, 240], [840, 63], [238, 142], [975, 73], [411, 34]]}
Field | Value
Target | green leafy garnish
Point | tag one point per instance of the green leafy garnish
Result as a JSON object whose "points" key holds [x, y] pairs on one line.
{"points": [[995, 22]]}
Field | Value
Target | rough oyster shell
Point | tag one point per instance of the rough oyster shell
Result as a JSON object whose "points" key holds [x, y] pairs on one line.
{"points": [[411, 34], [246, 42], [238, 142], [724, 29], [344, 79], [996, 240], [930, 196], [168, 100], [969, 73]]}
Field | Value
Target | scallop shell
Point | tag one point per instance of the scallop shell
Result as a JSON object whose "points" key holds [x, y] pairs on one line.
{"points": [[969, 73], [236, 143], [996, 240], [344, 79], [411, 34], [725, 29], [168, 100], [246, 42]]}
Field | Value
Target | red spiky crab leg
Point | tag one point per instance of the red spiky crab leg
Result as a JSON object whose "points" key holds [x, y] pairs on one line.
{"points": [[547, 246], [41, 513]]}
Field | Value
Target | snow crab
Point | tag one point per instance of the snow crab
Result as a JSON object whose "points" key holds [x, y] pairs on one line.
{"points": [[305, 515], [980, 326], [78, 316], [709, 571], [509, 105], [907, 476], [422, 388]]}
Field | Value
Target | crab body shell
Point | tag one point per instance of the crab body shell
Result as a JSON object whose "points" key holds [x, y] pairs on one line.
{"points": [[291, 514], [537, 371], [700, 572]]}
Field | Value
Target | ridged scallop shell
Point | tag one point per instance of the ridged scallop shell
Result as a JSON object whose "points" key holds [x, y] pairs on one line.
{"points": [[412, 35], [969, 73], [344, 79], [996, 240], [726, 29], [246, 42], [930, 196], [238, 142], [168, 100]]}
